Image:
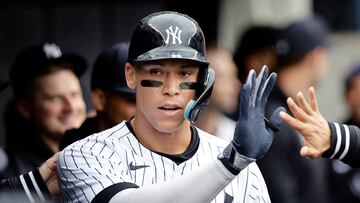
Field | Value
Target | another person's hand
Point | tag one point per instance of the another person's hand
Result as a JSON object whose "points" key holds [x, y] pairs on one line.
{"points": [[48, 173], [308, 121]]}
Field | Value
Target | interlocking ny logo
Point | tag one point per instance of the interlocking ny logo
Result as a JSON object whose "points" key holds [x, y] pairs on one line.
{"points": [[175, 34]]}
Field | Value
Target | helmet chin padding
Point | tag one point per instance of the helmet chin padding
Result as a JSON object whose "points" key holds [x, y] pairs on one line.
{"points": [[194, 108]]}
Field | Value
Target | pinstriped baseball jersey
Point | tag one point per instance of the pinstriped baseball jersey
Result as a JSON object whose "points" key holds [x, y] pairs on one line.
{"points": [[115, 155]]}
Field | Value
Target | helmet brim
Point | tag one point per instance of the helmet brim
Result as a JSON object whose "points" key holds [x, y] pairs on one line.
{"points": [[172, 52]]}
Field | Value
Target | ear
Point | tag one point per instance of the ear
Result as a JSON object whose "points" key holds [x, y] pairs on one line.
{"points": [[130, 74], [98, 99], [23, 107]]}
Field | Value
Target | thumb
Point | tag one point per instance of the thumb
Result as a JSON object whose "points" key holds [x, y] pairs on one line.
{"points": [[275, 117], [310, 152], [304, 151]]}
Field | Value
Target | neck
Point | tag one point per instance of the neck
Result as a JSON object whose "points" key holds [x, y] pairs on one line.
{"points": [[295, 79], [175, 142], [209, 120], [104, 122]]}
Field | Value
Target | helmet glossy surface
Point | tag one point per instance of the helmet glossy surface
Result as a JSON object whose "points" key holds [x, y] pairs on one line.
{"points": [[167, 35]]}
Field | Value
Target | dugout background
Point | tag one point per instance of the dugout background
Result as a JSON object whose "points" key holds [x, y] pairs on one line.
{"points": [[87, 27]]}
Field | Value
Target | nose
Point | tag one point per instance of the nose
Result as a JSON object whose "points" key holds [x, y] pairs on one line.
{"points": [[171, 86], [68, 104]]}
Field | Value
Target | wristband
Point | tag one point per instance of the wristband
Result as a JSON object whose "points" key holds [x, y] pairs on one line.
{"points": [[233, 160]]}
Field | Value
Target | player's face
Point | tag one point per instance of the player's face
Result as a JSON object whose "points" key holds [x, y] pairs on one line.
{"points": [[163, 105], [57, 103], [227, 87], [118, 107], [353, 98]]}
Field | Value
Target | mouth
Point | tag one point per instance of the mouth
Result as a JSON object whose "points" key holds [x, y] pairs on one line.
{"points": [[170, 107], [171, 110]]}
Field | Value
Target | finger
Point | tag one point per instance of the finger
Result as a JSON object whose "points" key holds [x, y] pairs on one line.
{"points": [[245, 100], [260, 83], [249, 77], [304, 151], [296, 110], [253, 87], [269, 84], [275, 118], [304, 105], [313, 99], [293, 122], [246, 94], [309, 152]]}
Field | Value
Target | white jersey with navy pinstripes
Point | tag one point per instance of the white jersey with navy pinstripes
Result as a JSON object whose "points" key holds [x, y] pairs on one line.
{"points": [[113, 156]]}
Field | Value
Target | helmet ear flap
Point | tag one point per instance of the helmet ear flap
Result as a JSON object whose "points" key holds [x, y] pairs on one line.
{"points": [[202, 77], [194, 108]]}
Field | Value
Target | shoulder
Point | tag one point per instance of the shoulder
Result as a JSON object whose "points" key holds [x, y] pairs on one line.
{"points": [[104, 137], [74, 135]]}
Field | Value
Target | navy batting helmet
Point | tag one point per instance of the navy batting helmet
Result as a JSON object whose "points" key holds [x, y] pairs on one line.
{"points": [[3, 85], [172, 35], [109, 69]]}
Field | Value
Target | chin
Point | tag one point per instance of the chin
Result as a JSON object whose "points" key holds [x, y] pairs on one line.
{"points": [[169, 126]]}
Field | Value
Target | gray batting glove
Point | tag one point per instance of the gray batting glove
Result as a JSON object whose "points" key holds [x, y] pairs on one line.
{"points": [[252, 138]]}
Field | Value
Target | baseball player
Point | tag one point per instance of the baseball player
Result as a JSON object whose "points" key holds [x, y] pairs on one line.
{"points": [[44, 105], [112, 99], [38, 185], [322, 138], [158, 155]]}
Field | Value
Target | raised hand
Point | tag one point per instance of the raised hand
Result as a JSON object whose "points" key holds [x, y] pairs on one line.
{"points": [[310, 123], [252, 138]]}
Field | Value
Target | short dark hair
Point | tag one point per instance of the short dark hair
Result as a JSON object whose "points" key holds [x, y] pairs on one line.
{"points": [[109, 69], [255, 39]]}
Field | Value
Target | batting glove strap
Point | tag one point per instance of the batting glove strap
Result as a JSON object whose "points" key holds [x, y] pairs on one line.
{"points": [[233, 160]]}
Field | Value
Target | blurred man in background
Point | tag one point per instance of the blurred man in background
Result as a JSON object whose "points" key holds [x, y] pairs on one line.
{"points": [[344, 180], [112, 99], [39, 185], [256, 48], [224, 98], [302, 61], [352, 96], [48, 101]]}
